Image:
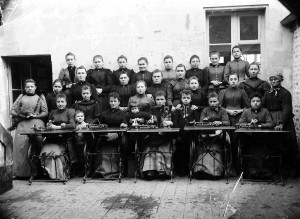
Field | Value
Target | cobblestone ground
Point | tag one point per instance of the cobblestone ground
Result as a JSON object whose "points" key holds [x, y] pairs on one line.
{"points": [[150, 199]]}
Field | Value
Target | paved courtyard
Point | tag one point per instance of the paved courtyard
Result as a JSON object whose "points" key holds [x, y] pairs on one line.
{"points": [[150, 199]]}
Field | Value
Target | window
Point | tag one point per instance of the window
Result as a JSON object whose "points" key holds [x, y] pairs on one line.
{"points": [[227, 29]]}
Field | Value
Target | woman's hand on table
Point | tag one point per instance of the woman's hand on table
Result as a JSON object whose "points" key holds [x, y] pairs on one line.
{"points": [[193, 107], [217, 123], [279, 127], [111, 136], [167, 123], [123, 125], [124, 109]]}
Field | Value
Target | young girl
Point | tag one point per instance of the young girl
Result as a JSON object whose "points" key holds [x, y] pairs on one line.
{"points": [[144, 102], [51, 97], [215, 73], [168, 73], [199, 73], [143, 74], [68, 75], [199, 100], [253, 84], [102, 79], [122, 61], [238, 66]]}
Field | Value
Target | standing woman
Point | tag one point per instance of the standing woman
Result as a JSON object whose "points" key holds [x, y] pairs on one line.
{"points": [[57, 86], [253, 84], [144, 102], [143, 74], [122, 62], [179, 84], [125, 90], [278, 101], [168, 73], [29, 109], [198, 72]]}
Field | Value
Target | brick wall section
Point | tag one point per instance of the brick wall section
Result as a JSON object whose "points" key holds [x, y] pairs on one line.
{"points": [[296, 78]]}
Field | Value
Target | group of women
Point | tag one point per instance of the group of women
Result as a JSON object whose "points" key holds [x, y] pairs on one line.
{"points": [[122, 97]]}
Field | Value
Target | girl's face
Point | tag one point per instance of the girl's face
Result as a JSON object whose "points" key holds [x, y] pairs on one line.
{"points": [[213, 102], [135, 110], [30, 88], [180, 72], [98, 63], [160, 101], [122, 63], [114, 103], [86, 95], [143, 65], [186, 99], [157, 78], [255, 103], [236, 53], [124, 79], [194, 84], [140, 88], [274, 81], [61, 103], [70, 60], [233, 80], [195, 63], [57, 88], [215, 59], [81, 74], [168, 64], [79, 117], [253, 71]]}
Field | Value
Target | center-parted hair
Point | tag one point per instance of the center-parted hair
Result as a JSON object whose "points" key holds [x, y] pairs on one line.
{"points": [[194, 56], [79, 111], [114, 95], [61, 95], [255, 95], [98, 56], [143, 58], [86, 87], [186, 92], [168, 57], [70, 54], [212, 95], [193, 78], [156, 71], [180, 66], [122, 57], [160, 93]]}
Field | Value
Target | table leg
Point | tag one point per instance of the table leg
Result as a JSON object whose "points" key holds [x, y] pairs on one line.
{"points": [[192, 148], [120, 161], [136, 159]]}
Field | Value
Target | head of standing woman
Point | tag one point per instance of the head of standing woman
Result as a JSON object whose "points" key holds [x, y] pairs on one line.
{"points": [[194, 61], [141, 87], [57, 86], [236, 52], [180, 71], [253, 70], [81, 73], [233, 80], [30, 87], [276, 79], [124, 79], [143, 64]]}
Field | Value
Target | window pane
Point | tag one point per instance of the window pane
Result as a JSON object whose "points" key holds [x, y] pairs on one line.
{"points": [[220, 29], [224, 50], [249, 27], [251, 52]]}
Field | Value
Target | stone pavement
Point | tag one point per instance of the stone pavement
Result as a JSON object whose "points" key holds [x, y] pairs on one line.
{"points": [[150, 199]]}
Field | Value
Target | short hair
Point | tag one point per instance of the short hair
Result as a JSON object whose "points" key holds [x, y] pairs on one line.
{"points": [[30, 80], [254, 63], [70, 54], [234, 73], [168, 57], [255, 95], [98, 56], [79, 111], [215, 53], [81, 67], [141, 81], [186, 92], [114, 95], [160, 93], [194, 56], [122, 57], [61, 95], [212, 95], [193, 78], [124, 73], [156, 71], [57, 81], [143, 58], [180, 66], [237, 47], [86, 87]]}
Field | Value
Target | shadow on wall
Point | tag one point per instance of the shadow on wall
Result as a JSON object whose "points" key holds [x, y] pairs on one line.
{"points": [[6, 160]]}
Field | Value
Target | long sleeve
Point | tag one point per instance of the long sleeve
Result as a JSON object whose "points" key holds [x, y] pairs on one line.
{"points": [[227, 71], [287, 110], [268, 120], [170, 91], [222, 98], [225, 118], [43, 111], [16, 106], [71, 119], [243, 118], [169, 96], [246, 101], [109, 81], [205, 81]]}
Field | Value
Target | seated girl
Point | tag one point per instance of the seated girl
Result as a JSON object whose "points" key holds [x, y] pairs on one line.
{"points": [[59, 119]]}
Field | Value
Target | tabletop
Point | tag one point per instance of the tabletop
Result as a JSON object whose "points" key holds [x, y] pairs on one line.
{"points": [[155, 130], [208, 128], [47, 132], [259, 130], [101, 130]]}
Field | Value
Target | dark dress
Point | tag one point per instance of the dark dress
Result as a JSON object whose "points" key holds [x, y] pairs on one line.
{"points": [[91, 110], [101, 78], [175, 87], [199, 99], [215, 73], [145, 76], [255, 85], [108, 165], [76, 92], [201, 75], [51, 101], [279, 103], [116, 75], [152, 89], [143, 102], [237, 66], [68, 76], [125, 92], [209, 164]]}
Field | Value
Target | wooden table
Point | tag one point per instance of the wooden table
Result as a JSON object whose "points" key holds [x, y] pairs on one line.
{"points": [[32, 157], [268, 132], [119, 131], [195, 132], [139, 131]]}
